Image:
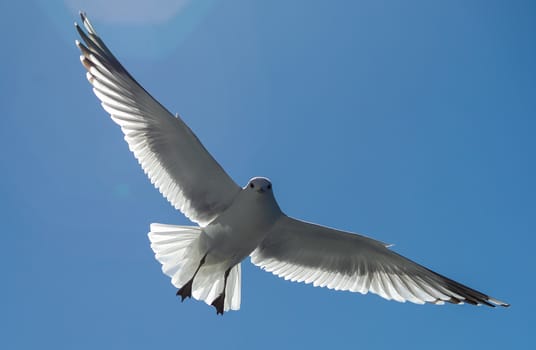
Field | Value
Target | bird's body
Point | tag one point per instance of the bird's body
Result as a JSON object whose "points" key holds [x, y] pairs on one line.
{"points": [[204, 261], [244, 225]]}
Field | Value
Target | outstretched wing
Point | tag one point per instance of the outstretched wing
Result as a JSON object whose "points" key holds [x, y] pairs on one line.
{"points": [[304, 252], [168, 151]]}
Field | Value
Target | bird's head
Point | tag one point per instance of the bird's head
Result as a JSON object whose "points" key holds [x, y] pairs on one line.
{"points": [[260, 185]]}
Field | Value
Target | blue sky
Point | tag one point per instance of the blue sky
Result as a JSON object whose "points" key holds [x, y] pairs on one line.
{"points": [[412, 122]]}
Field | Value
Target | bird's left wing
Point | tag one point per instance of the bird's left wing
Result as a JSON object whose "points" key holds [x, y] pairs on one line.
{"points": [[305, 252], [168, 151]]}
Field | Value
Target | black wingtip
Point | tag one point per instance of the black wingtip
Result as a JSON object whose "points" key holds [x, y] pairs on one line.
{"points": [[498, 302], [79, 30]]}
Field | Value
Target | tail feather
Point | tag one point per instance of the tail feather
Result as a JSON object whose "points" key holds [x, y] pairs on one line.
{"points": [[172, 246], [176, 249], [234, 282], [209, 281]]}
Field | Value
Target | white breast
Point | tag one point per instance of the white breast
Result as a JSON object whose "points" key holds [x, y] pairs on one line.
{"points": [[234, 234]]}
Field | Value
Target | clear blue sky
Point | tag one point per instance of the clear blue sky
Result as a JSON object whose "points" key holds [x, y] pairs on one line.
{"points": [[410, 121]]}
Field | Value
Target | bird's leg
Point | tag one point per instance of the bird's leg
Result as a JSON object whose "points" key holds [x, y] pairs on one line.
{"points": [[186, 290], [219, 301]]}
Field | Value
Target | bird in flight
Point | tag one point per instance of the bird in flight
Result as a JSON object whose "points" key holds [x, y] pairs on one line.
{"points": [[234, 222]]}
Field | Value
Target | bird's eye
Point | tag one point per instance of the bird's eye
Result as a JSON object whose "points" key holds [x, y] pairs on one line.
{"points": [[269, 186], [252, 185]]}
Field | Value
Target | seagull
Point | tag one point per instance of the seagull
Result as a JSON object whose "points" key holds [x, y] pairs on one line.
{"points": [[233, 222]]}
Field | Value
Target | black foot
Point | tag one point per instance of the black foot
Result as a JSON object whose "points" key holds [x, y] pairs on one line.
{"points": [[218, 304], [186, 290]]}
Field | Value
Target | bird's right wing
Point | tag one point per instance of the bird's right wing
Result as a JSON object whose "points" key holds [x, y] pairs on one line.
{"points": [[305, 252], [168, 151]]}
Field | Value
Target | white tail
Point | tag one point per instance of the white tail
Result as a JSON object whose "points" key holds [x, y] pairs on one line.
{"points": [[176, 248]]}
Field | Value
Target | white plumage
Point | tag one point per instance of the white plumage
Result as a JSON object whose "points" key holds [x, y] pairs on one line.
{"points": [[204, 262]]}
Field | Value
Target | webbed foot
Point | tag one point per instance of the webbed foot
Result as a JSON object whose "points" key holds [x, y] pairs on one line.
{"points": [[218, 304], [186, 290]]}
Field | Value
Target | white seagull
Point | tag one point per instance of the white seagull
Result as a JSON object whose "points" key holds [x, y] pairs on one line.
{"points": [[204, 261]]}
